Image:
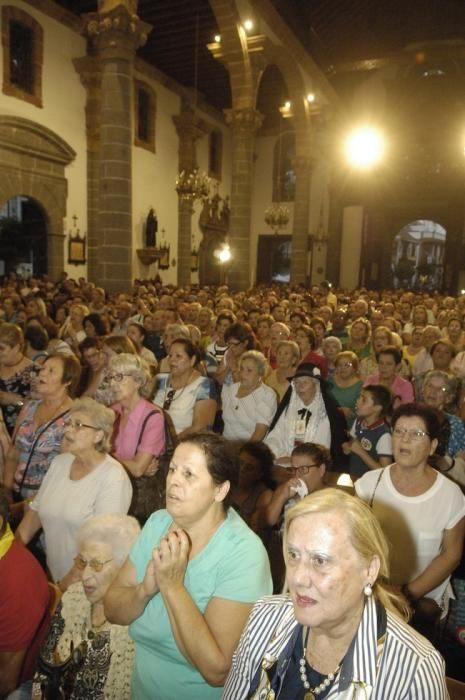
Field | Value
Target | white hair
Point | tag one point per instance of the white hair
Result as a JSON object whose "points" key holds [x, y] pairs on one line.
{"points": [[116, 530]]}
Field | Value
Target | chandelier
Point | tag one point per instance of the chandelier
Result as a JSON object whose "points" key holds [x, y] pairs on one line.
{"points": [[192, 185], [277, 217]]}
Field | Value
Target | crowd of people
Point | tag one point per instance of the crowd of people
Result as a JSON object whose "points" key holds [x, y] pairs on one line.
{"points": [[221, 424]]}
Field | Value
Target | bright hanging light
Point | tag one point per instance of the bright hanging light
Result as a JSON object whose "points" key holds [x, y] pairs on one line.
{"points": [[364, 147], [311, 97], [248, 25], [225, 254], [217, 38]]}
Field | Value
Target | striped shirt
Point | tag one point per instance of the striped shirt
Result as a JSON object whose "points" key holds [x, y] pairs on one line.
{"points": [[387, 660]]}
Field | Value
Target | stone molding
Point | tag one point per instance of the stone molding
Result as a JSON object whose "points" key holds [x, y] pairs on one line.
{"points": [[246, 119], [117, 32]]}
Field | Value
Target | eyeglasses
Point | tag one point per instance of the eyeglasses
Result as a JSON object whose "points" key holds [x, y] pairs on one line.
{"points": [[304, 469], [169, 398], [78, 425], [233, 342], [117, 377], [94, 564], [344, 364], [411, 433]]}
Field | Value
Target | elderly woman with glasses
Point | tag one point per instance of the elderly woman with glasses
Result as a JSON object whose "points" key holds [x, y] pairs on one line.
{"points": [[139, 435], [82, 481], [307, 413], [338, 632], [102, 543], [422, 514]]}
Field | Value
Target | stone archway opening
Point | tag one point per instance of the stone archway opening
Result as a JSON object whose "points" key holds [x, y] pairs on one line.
{"points": [[23, 237], [417, 259]]}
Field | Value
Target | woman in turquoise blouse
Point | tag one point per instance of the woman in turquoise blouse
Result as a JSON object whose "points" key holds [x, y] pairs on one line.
{"points": [[191, 579]]}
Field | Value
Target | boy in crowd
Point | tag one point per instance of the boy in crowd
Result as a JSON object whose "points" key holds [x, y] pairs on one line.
{"points": [[370, 444]]}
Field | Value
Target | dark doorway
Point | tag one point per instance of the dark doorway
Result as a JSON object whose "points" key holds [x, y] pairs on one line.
{"points": [[274, 259], [23, 236]]}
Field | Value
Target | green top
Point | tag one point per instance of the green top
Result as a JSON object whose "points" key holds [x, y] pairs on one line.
{"points": [[234, 565]]}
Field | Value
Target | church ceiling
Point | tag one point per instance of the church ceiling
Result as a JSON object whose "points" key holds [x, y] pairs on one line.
{"points": [[345, 37]]}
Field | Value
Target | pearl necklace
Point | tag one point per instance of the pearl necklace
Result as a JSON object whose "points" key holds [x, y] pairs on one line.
{"points": [[313, 692]]}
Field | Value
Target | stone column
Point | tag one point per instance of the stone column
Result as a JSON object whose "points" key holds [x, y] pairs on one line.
{"points": [[116, 35], [244, 124], [88, 68], [302, 169], [189, 128]]}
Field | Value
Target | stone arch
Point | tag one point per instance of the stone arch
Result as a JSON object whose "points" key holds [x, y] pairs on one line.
{"points": [[32, 163], [234, 47]]}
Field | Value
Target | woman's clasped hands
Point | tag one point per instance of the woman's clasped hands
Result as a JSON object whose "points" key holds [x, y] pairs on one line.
{"points": [[168, 565]]}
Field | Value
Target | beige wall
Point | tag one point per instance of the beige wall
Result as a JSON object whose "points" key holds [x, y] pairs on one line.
{"points": [[62, 111]]}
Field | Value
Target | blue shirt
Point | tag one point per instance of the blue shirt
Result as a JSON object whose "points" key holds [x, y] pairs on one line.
{"points": [[234, 566]]}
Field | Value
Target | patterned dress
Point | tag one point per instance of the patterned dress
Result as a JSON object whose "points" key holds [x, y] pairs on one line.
{"points": [[44, 444], [108, 651], [20, 384]]}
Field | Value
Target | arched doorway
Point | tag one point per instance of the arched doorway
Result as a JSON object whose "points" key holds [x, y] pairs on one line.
{"points": [[32, 164], [23, 236], [417, 260]]}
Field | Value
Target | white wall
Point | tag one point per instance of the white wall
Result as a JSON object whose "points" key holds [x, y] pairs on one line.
{"points": [[63, 99]]}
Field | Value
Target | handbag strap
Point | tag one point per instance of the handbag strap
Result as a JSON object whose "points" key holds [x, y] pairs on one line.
{"points": [[376, 486], [144, 424], [34, 445]]}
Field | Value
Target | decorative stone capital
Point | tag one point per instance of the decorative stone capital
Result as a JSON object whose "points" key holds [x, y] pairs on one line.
{"points": [[89, 71], [189, 126], [245, 120], [116, 32]]}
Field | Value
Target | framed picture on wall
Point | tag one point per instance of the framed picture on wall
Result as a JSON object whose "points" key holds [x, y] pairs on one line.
{"points": [[77, 250]]}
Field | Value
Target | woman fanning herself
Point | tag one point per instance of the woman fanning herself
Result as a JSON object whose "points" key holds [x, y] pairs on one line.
{"points": [[248, 405], [338, 634], [188, 396], [422, 514], [190, 580]]}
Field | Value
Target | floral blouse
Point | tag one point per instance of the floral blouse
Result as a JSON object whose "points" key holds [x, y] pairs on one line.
{"points": [[105, 671], [20, 384], [45, 449]]}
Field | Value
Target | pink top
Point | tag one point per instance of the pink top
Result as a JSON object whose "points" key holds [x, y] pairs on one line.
{"points": [[131, 439], [400, 387]]}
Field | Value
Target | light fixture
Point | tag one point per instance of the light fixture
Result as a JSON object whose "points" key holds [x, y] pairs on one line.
{"points": [[224, 255], [217, 38], [248, 25], [364, 147], [192, 185], [286, 109], [311, 97], [277, 217]]}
